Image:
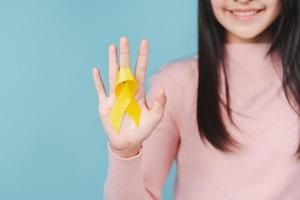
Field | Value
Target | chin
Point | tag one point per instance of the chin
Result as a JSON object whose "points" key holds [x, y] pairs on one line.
{"points": [[244, 37]]}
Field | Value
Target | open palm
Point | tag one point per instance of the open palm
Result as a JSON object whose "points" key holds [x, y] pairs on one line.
{"points": [[130, 136]]}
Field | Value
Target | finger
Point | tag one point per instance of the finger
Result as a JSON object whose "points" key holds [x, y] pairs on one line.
{"points": [[113, 68], [160, 102], [141, 65], [99, 85], [124, 52]]}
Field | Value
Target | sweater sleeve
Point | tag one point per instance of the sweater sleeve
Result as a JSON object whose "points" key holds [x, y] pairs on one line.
{"points": [[142, 176]]}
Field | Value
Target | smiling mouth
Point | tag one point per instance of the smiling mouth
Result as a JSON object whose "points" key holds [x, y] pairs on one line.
{"points": [[245, 14]]}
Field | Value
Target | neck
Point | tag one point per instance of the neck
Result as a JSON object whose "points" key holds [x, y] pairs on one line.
{"points": [[247, 52]]}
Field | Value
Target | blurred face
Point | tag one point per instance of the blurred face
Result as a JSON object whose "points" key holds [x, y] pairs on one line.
{"points": [[246, 20]]}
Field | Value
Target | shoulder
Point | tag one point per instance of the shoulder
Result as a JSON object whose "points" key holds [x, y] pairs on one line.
{"points": [[176, 71], [178, 78]]}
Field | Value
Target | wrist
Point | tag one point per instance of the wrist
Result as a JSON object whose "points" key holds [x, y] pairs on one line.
{"points": [[126, 153]]}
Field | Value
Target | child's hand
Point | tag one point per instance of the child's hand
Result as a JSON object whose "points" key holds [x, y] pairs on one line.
{"points": [[129, 140]]}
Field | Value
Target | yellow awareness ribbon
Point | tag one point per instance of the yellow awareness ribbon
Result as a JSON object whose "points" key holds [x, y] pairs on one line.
{"points": [[125, 89]]}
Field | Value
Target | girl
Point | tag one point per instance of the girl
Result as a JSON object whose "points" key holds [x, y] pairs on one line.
{"points": [[229, 116]]}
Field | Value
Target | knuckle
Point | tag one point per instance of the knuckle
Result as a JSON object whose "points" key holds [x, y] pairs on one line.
{"points": [[142, 68]]}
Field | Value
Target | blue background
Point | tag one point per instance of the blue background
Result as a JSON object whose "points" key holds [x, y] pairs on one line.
{"points": [[52, 145]]}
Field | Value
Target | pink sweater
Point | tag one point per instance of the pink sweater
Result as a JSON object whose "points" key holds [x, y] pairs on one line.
{"points": [[264, 169]]}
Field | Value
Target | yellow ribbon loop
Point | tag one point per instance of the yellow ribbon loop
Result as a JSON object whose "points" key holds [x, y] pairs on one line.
{"points": [[125, 89]]}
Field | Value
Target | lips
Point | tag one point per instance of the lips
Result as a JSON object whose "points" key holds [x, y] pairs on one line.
{"points": [[245, 9], [245, 14]]}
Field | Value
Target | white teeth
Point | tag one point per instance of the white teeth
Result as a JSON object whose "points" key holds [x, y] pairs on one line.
{"points": [[242, 14]]}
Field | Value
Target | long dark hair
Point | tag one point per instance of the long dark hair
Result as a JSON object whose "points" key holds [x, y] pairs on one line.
{"points": [[211, 59]]}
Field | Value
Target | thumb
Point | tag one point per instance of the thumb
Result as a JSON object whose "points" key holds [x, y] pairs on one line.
{"points": [[160, 102]]}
